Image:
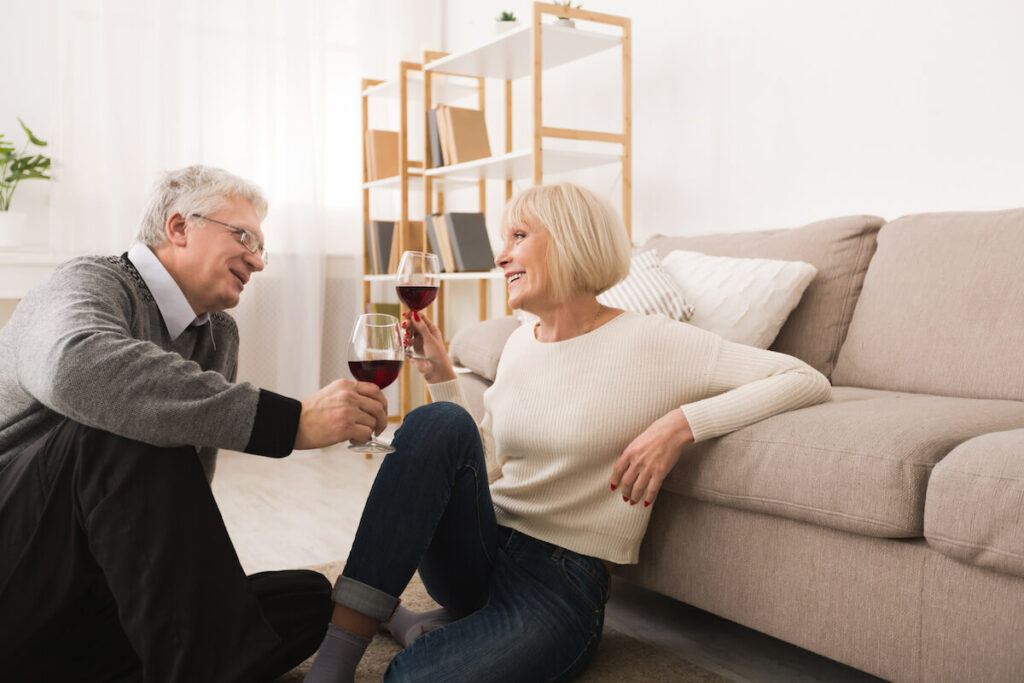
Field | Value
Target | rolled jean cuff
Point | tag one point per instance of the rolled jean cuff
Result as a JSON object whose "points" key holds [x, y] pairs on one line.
{"points": [[364, 599]]}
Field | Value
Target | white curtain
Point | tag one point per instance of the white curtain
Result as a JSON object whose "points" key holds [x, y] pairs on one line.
{"points": [[268, 89]]}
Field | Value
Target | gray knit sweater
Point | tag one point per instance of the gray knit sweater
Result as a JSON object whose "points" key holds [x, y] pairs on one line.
{"points": [[90, 344]]}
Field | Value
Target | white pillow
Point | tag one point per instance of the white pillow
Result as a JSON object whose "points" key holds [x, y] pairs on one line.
{"points": [[745, 300], [648, 289]]}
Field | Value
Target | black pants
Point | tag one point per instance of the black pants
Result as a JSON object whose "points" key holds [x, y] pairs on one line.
{"points": [[115, 564]]}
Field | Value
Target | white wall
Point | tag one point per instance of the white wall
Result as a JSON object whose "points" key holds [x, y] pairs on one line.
{"points": [[747, 113], [755, 114]]}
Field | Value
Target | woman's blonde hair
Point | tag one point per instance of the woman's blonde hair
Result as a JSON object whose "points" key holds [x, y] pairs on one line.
{"points": [[588, 251]]}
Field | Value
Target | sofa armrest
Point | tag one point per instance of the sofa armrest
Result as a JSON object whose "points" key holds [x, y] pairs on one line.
{"points": [[479, 346], [975, 503]]}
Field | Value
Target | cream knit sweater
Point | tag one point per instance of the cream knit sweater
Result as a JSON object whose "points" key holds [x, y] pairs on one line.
{"points": [[560, 414]]}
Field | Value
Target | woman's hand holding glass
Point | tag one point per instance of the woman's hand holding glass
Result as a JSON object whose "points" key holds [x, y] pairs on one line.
{"points": [[418, 281], [426, 340]]}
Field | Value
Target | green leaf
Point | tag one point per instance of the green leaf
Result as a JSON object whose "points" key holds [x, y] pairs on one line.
{"points": [[35, 141]]}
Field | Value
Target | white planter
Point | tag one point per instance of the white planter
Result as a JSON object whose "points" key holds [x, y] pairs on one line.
{"points": [[13, 229], [562, 21], [503, 26]]}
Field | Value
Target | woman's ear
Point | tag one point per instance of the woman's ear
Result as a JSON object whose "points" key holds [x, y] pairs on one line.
{"points": [[175, 229]]}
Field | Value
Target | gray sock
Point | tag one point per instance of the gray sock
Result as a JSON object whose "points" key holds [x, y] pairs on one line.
{"points": [[337, 658], [406, 626]]}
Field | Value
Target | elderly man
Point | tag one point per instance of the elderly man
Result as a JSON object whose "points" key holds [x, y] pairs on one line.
{"points": [[117, 385]]}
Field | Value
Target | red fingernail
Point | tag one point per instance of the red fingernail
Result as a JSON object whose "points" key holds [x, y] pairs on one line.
{"points": [[613, 487], [632, 502], [647, 503], [625, 500], [416, 315]]}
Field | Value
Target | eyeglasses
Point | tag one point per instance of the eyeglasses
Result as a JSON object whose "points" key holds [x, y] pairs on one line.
{"points": [[246, 237]]}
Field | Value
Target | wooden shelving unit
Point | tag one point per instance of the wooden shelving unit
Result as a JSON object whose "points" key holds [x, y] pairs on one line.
{"points": [[522, 53]]}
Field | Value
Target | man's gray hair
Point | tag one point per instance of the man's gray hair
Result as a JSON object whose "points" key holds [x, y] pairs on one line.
{"points": [[194, 189]]}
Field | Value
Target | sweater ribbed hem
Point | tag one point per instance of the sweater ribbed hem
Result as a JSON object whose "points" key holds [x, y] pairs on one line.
{"points": [[614, 549]]}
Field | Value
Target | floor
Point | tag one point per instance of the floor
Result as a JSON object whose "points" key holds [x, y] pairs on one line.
{"points": [[304, 510]]}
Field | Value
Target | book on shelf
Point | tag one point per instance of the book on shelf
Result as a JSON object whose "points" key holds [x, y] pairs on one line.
{"points": [[444, 245], [462, 134], [471, 247], [370, 250], [435, 244], [413, 242], [460, 240], [382, 156], [394, 310], [436, 157], [444, 134], [379, 238]]}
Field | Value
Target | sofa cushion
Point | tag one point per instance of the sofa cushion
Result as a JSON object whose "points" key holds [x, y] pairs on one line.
{"points": [[942, 309], [744, 300], [648, 289], [975, 506], [839, 248], [479, 346], [859, 463]]}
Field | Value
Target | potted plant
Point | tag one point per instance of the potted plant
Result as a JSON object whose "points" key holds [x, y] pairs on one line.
{"points": [[16, 166], [566, 21], [506, 21]]}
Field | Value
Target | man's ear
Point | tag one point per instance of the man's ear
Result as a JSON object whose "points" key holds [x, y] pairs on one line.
{"points": [[174, 228]]}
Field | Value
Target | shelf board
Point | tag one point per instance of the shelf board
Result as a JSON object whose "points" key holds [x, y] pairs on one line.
{"points": [[441, 90], [415, 176], [519, 165], [481, 275], [415, 182], [509, 55]]}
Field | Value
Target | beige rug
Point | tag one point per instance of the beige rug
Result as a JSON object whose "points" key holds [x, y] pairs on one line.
{"points": [[620, 658]]}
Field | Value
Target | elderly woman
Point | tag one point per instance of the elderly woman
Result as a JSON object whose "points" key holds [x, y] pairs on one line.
{"points": [[512, 524]]}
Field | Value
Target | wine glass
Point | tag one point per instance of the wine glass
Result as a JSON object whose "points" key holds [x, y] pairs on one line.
{"points": [[375, 355], [419, 277]]}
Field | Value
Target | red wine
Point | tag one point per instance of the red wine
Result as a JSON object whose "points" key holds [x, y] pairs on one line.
{"points": [[416, 297], [380, 372]]}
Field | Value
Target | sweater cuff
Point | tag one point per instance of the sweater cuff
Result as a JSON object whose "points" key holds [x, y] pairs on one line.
{"points": [[448, 391], [275, 425], [698, 414]]}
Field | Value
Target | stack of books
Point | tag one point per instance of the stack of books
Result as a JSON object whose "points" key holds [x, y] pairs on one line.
{"points": [[461, 241], [383, 244], [457, 135]]}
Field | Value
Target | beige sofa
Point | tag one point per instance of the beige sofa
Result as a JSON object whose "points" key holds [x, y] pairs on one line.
{"points": [[884, 529]]}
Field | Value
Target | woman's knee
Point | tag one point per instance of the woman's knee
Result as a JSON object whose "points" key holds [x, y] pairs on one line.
{"points": [[442, 419], [438, 434]]}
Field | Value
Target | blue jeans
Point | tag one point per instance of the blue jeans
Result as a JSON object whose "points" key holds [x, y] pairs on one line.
{"points": [[526, 610]]}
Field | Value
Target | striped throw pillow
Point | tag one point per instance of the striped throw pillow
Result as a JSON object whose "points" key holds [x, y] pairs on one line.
{"points": [[648, 289]]}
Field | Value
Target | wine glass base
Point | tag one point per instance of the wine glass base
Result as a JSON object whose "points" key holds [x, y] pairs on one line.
{"points": [[372, 446]]}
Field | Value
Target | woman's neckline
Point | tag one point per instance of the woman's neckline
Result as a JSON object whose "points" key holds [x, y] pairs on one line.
{"points": [[616, 314]]}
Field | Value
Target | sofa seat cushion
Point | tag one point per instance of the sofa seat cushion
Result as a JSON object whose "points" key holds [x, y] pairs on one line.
{"points": [[975, 506], [840, 248], [859, 463]]}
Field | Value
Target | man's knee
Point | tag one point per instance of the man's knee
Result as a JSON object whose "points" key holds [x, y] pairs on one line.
{"points": [[99, 454]]}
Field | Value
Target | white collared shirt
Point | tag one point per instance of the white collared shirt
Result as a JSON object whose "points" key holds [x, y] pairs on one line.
{"points": [[174, 307]]}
